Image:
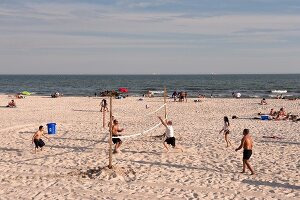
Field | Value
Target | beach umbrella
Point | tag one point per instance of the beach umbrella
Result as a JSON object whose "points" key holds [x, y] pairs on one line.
{"points": [[26, 93], [124, 90]]}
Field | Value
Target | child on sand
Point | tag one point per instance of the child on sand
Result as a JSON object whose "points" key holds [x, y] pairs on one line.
{"points": [[36, 139], [169, 134], [226, 131], [247, 144]]}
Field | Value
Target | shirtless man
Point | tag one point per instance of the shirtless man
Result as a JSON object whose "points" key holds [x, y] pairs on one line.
{"points": [[36, 139], [247, 144], [169, 134], [115, 131]]}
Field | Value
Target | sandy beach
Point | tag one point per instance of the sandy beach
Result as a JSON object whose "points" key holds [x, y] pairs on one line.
{"points": [[72, 164]]}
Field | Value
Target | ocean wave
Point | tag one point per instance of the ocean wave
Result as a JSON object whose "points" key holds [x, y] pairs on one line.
{"points": [[279, 91]]}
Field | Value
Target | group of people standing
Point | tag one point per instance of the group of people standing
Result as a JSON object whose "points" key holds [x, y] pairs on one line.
{"points": [[181, 96]]}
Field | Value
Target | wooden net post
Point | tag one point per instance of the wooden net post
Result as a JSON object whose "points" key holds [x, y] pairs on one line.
{"points": [[165, 101], [110, 134], [103, 118]]}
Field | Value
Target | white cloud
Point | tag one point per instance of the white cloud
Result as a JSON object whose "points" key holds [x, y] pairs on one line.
{"points": [[85, 30]]}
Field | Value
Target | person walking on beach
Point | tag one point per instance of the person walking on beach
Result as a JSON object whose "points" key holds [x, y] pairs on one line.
{"points": [[36, 139], [185, 96], [170, 139], [115, 133], [174, 95], [247, 144], [226, 131], [103, 105]]}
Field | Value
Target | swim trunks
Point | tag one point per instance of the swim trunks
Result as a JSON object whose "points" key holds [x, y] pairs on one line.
{"points": [[247, 154], [38, 143], [116, 140], [171, 141]]}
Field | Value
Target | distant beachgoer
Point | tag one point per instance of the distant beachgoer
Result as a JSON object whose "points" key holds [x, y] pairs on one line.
{"points": [[272, 112], [19, 96], [263, 102], [103, 105], [233, 94], [238, 95], [181, 96], [11, 104], [226, 131], [95, 94], [170, 138], [150, 94], [247, 144], [185, 96], [36, 139], [282, 115], [115, 132], [174, 95]]}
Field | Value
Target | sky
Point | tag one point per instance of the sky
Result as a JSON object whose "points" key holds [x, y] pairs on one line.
{"points": [[149, 36]]}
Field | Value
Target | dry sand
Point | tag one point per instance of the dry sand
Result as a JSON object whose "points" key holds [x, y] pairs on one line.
{"points": [[73, 164]]}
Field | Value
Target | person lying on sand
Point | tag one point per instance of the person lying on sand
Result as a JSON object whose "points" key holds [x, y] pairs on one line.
{"points": [[115, 132], [170, 139], [12, 104], [36, 139], [247, 144]]}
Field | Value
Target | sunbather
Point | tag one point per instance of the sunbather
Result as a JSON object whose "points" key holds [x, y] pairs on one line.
{"points": [[11, 104]]}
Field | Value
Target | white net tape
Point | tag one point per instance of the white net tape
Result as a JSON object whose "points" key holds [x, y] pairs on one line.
{"points": [[146, 131], [156, 110], [138, 134]]}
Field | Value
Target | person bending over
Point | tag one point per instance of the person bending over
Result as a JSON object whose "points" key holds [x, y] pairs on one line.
{"points": [[36, 139]]}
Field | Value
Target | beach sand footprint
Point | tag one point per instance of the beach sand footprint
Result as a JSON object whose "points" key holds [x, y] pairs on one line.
{"points": [[116, 173]]}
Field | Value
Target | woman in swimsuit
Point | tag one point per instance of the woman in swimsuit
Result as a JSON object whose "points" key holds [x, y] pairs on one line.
{"points": [[226, 131]]}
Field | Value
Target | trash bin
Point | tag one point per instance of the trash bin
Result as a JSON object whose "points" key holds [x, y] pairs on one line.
{"points": [[51, 128]]}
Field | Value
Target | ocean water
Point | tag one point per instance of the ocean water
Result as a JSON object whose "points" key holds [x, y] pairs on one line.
{"points": [[217, 85]]}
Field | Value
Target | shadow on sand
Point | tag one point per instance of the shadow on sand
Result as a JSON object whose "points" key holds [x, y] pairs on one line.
{"points": [[271, 184], [173, 165], [8, 149], [281, 142], [86, 110]]}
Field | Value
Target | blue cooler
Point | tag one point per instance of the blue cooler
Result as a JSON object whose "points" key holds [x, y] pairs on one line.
{"points": [[264, 117], [51, 128]]}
